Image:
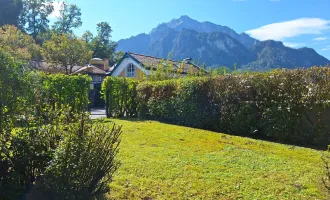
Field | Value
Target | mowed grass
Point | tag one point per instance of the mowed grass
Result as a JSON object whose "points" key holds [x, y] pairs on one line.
{"points": [[161, 161]]}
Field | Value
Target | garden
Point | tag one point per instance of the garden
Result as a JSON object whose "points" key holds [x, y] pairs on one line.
{"points": [[49, 148]]}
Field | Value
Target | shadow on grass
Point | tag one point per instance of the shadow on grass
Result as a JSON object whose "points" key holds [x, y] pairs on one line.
{"points": [[257, 137]]}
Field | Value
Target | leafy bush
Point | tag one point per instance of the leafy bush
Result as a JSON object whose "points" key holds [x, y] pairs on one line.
{"points": [[24, 155], [120, 96], [287, 106], [42, 137], [12, 89], [60, 90], [83, 163]]}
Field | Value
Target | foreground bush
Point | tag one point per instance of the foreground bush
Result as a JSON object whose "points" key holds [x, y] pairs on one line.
{"points": [[75, 161], [47, 150], [83, 163], [286, 106], [11, 90]]}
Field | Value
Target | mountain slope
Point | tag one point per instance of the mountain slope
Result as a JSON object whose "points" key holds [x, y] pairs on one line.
{"points": [[184, 22], [216, 45], [215, 48], [271, 54]]}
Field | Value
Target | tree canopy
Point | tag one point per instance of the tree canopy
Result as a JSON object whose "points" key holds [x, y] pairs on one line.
{"points": [[70, 18], [33, 18], [102, 45], [66, 51], [18, 44], [10, 11]]}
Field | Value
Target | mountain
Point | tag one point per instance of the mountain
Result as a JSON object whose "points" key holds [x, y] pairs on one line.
{"points": [[272, 54], [216, 45], [184, 22]]}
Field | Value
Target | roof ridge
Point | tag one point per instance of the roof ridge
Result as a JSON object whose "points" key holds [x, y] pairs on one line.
{"points": [[154, 57]]}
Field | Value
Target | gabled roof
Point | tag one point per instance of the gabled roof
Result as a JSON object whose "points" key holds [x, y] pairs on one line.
{"points": [[90, 70], [46, 67], [151, 62]]}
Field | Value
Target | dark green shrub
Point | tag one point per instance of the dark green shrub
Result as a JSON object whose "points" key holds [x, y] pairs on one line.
{"points": [[83, 163], [11, 90], [24, 156], [60, 90], [120, 96], [36, 111], [288, 106]]}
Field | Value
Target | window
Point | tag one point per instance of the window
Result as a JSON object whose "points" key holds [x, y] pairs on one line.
{"points": [[130, 70], [96, 78]]}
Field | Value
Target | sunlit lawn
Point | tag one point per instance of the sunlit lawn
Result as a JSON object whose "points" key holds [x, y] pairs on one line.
{"points": [[161, 161]]}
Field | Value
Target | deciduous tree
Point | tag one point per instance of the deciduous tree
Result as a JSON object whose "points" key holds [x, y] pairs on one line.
{"points": [[102, 46], [33, 18], [18, 44], [10, 11], [70, 18], [66, 51]]}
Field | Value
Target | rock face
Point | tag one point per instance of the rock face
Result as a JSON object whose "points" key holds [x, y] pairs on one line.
{"points": [[216, 45]]}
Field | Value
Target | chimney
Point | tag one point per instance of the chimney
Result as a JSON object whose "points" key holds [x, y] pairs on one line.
{"points": [[97, 62], [106, 64]]}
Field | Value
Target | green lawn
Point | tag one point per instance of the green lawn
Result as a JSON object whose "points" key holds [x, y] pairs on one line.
{"points": [[161, 161]]}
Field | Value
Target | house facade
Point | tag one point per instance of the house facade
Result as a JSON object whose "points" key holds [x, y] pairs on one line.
{"points": [[131, 65], [138, 66], [97, 70]]}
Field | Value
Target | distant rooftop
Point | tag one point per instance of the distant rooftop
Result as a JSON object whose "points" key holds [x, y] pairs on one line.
{"points": [[152, 62]]}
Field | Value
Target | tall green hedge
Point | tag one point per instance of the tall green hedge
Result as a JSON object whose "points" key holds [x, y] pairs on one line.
{"points": [[61, 90], [120, 96], [287, 106]]}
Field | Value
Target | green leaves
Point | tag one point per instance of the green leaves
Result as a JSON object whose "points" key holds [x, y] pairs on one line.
{"points": [[70, 18], [101, 45], [66, 51], [33, 18], [19, 45], [288, 106], [43, 125], [120, 95], [84, 162]]}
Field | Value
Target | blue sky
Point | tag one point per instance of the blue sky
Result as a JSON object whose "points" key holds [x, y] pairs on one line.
{"points": [[297, 23]]}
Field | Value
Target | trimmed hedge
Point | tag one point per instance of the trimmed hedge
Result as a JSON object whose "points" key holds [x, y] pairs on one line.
{"points": [[286, 106], [59, 90], [120, 96]]}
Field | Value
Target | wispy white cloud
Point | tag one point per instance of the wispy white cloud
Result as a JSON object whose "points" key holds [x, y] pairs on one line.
{"points": [[319, 38], [289, 29], [293, 45], [57, 7], [327, 48]]}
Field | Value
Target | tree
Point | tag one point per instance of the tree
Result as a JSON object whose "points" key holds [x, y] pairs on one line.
{"points": [[102, 46], [87, 36], [70, 18], [10, 11], [10, 84], [116, 57], [18, 44], [66, 51], [33, 18]]}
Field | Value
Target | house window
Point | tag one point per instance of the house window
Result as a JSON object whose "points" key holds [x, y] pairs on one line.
{"points": [[96, 78], [130, 70]]}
